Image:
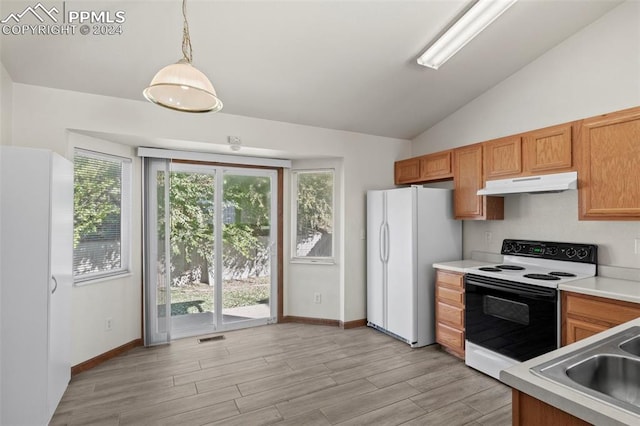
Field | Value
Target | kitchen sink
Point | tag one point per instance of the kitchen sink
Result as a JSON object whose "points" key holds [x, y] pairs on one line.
{"points": [[608, 370], [616, 376], [632, 346]]}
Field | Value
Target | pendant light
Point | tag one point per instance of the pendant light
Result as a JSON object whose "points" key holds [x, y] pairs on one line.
{"points": [[181, 86]]}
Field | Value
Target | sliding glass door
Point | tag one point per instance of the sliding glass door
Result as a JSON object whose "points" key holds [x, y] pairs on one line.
{"points": [[211, 262]]}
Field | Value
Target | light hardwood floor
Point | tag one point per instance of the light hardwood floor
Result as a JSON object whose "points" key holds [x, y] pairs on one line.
{"points": [[285, 374]]}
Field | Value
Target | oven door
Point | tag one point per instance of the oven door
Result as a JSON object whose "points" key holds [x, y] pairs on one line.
{"points": [[513, 319]]}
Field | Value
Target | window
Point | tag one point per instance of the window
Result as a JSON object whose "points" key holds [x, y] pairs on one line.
{"points": [[102, 198], [313, 214]]}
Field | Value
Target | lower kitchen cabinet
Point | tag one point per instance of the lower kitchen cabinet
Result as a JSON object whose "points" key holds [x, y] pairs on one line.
{"points": [[584, 315], [450, 311], [530, 411]]}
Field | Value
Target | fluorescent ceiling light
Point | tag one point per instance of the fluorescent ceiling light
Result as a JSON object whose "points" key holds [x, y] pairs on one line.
{"points": [[476, 19]]}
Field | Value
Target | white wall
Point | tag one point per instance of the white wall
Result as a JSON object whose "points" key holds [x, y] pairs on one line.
{"points": [[118, 298], [307, 278], [6, 91], [595, 71], [5, 139], [41, 117]]}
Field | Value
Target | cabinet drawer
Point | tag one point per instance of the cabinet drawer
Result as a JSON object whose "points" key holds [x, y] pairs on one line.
{"points": [[452, 315], [451, 279], [450, 337], [449, 295], [599, 309]]}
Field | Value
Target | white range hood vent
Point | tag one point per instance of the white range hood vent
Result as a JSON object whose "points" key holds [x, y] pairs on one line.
{"points": [[531, 184]]}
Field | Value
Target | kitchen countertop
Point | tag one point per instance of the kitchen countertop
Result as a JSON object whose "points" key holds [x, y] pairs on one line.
{"points": [[610, 288], [566, 399], [460, 265]]}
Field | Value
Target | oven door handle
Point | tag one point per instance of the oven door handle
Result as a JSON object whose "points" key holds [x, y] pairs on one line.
{"points": [[543, 293]]}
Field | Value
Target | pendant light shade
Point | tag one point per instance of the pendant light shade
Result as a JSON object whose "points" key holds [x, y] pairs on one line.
{"points": [[182, 87]]}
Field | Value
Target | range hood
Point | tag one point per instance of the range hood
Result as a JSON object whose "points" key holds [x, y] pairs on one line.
{"points": [[531, 184]]}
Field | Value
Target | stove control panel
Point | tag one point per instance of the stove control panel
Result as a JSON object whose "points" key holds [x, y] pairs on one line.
{"points": [[573, 252]]}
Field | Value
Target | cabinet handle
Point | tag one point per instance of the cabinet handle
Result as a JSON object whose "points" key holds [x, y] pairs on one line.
{"points": [[55, 287]]}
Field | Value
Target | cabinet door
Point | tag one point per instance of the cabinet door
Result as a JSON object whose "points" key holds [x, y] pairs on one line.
{"points": [[467, 178], [61, 272], [436, 166], [576, 329], [548, 150], [407, 171], [503, 158], [609, 169]]}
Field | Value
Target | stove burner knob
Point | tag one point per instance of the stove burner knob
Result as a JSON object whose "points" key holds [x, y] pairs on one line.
{"points": [[552, 251], [582, 253], [518, 247], [571, 252], [508, 247]]}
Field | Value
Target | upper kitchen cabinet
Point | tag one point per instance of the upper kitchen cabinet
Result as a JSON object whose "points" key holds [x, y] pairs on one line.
{"points": [[609, 166], [542, 151], [468, 179], [407, 171], [548, 150], [436, 166], [427, 168], [503, 158]]}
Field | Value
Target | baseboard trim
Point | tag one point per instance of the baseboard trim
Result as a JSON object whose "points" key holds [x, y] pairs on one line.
{"points": [[95, 361], [353, 324], [323, 321], [309, 320]]}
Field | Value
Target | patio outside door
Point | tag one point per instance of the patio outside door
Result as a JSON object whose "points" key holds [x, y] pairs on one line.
{"points": [[211, 258]]}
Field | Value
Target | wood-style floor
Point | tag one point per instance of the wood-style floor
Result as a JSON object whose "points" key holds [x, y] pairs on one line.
{"points": [[285, 374]]}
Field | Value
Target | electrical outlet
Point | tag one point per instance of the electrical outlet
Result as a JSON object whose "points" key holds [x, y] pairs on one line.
{"points": [[317, 298], [488, 236], [108, 323], [637, 246]]}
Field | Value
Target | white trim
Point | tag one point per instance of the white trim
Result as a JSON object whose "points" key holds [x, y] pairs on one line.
{"points": [[215, 158]]}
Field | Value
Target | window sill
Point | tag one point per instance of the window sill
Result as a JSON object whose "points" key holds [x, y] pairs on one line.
{"points": [[302, 261], [96, 280]]}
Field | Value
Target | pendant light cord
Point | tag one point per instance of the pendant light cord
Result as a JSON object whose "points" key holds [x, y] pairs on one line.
{"points": [[186, 40]]}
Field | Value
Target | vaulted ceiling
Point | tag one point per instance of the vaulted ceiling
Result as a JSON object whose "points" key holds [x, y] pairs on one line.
{"points": [[348, 65]]}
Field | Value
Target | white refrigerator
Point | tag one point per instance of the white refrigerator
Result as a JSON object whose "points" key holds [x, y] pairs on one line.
{"points": [[408, 229]]}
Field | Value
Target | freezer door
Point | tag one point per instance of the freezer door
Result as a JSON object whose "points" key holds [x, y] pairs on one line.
{"points": [[401, 263], [376, 269]]}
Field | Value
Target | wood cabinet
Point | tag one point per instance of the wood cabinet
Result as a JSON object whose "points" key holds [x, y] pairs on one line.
{"points": [[426, 168], [543, 151], [584, 315], [609, 166], [450, 311], [503, 158], [548, 150], [468, 179], [407, 171], [530, 411], [36, 277]]}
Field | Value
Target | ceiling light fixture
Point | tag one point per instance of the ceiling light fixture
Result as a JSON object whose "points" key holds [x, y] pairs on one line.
{"points": [[472, 23], [181, 86]]}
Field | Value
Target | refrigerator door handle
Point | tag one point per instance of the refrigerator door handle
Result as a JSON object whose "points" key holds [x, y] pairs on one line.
{"points": [[386, 242], [381, 242]]}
